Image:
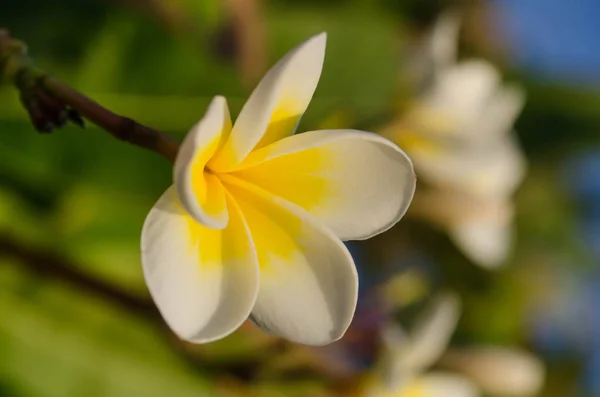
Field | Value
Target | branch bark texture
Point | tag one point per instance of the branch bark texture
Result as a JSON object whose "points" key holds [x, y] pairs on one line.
{"points": [[52, 103]]}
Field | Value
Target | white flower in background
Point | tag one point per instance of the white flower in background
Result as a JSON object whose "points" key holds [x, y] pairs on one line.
{"points": [[499, 371], [436, 52], [252, 226], [459, 136], [482, 227], [403, 367]]}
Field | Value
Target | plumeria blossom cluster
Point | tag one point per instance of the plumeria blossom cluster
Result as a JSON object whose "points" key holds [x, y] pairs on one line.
{"points": [[253, 224], [403, 366], [460, 138]]}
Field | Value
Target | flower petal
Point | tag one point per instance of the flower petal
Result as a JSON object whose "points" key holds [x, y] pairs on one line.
{"points": [[204, 281], [442, 43], [200, 192], [485, 238], [358, 183], [391, 371], [499, 115], [479, 226], [276, 105], [431, 334], [439, 384], [404, 356], [494, 170], [308, 281], [461, 94], [436, 52], [499, 371]]}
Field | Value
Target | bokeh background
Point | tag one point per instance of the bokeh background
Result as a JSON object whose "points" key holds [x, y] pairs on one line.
{"points": [[75, 315]]}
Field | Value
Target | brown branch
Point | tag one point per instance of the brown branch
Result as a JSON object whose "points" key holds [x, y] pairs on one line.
{"points": [[51, 103], [48, 264]]}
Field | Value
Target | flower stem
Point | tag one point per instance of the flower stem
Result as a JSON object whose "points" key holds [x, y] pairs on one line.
{"points": [[34, 84]]}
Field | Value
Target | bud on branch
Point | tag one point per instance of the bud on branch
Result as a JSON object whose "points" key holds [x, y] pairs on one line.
{"points": [[51, 103]]}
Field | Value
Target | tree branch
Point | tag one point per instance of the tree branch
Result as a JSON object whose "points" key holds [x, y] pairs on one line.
{"points": [[51, 103], [47, 264]]}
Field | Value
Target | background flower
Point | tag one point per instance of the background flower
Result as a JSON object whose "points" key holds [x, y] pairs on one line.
{"points": [[403, 366], [458, 131]]}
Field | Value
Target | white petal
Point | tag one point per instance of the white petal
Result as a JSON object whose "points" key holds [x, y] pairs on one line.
{"points": [[204, 281], [460, 96], [485, 238], [201, 194], [274, 109], [431, 334], [308, 283], [358, 183], [444, 40], [500, 371], [480, 227], [494, 170], [406, 355], [391, 370], [436, 52], [499, 116]]}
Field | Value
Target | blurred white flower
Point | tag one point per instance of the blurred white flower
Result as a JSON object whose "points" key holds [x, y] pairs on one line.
{"points": [[402, 370], [459, 135], [506, 372], [436, 52], [403, 367], [253, 223], [481, 226]]}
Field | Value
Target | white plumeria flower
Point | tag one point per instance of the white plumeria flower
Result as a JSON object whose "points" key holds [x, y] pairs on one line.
{"points": [[464, 134], [459, 136], [477, 159], [467, 93], [403, 367], [252, 226], [481, 227], [499, 371]]}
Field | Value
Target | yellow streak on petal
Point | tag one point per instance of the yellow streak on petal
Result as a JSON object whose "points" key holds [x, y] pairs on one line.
{"points": [[283, 122], [210, 193], [205, 153], [222, 150], [225, 159], [206, 187], [297, 177], [276, 232], [216, 247]]}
